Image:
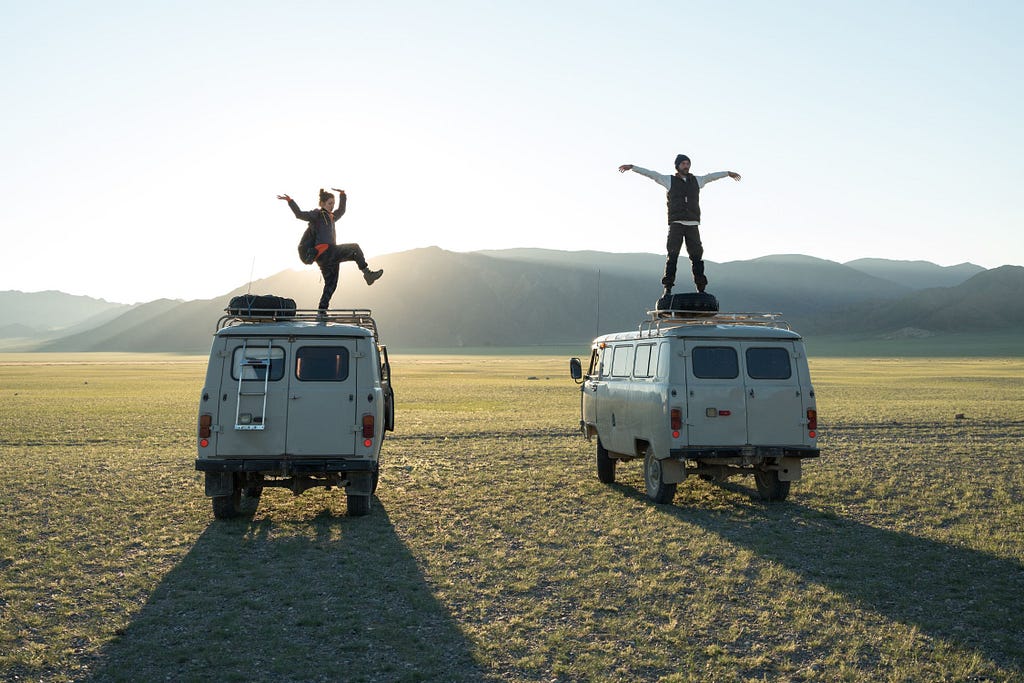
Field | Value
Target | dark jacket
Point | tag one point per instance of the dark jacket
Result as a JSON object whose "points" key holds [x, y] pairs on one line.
{"points": [[321, 221], [684, 199]]}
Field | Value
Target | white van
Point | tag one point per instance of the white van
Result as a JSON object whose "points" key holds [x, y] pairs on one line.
{"points": [[294, 399], [715, 396]]}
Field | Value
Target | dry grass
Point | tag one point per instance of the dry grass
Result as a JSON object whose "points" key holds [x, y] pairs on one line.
{"points": [[493, 553]]}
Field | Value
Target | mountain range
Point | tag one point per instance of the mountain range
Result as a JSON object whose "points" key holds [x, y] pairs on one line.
{"points": [[431, 298]]}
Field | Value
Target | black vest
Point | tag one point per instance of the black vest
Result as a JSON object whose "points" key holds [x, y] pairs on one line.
{"points": [[684, 199]]}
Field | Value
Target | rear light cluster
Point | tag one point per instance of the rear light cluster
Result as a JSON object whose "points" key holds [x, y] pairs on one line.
{"points": [[367, 430], [205, 423], [677, 422], [812, 422]]}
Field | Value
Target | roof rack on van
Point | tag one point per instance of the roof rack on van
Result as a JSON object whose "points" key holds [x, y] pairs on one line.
{"points": [[363, 317], [668, 319]]}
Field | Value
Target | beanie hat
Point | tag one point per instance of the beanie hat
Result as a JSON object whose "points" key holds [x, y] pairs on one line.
{"points": [[680, 157]]}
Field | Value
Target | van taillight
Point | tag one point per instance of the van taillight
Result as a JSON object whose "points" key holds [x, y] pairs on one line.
{"points": [[367, 430], [676, 422], [205, 421], [812, 421]]}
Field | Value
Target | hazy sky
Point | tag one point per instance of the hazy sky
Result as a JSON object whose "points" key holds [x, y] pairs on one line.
{"points": [[143, 143]]}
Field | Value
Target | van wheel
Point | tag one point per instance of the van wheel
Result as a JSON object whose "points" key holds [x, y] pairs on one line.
{"points": [[605, 465], [769, 487], [657, 490], [358, 506], [226, 507]]}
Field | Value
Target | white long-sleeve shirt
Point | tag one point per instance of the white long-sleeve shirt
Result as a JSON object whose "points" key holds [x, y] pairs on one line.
{"points": [[666, 182]]}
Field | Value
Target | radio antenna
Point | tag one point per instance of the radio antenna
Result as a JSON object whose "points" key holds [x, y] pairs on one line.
{"points": [[252, 269], [597, 324]]}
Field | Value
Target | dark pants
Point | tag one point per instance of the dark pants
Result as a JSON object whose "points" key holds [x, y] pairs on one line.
{"points": [[677, 234], [330, 263]]}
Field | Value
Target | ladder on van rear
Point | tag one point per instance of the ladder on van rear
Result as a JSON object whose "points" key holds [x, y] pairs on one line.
{"points": [[255, 364]]}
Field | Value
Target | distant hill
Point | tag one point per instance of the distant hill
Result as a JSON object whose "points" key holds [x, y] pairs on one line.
{"points": [[37, 313], [916, 274], [432, 298], [990, 301]]}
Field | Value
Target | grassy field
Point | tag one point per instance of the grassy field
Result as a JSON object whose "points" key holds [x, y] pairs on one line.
{"points": [[493, 553]]}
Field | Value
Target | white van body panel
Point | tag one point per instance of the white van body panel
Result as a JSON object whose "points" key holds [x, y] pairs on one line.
{"points": [[742, 392]]}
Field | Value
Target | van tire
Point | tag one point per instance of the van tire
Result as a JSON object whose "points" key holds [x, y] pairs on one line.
{"points": [[657, 490], [769, 487], [227, 507], [605, 464], [358, 506]]}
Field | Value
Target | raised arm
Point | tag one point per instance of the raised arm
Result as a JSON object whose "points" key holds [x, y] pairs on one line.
{"points": [[339, 211]]}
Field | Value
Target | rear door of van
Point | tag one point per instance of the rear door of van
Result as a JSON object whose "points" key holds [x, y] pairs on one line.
{"points": [[322, 396], [775, 413], [253, 403], [715, 403]]}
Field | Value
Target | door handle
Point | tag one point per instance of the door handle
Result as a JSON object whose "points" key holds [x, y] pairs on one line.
{"points": [[294, 396], [751, 393]]}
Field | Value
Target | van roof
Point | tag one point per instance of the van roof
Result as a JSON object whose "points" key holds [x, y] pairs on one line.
{"points": [[299, 328], [704, 332], [346, 322]]}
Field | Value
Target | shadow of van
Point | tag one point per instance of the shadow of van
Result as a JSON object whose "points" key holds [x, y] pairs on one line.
{"points": [[964, 596], [325, 598]]}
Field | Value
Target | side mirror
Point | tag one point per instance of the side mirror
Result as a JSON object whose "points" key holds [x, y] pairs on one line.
{"points": [[576, 369]]}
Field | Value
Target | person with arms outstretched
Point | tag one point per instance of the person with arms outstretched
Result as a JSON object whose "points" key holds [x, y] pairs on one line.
{"points": [[683, 216], [329, 255]]}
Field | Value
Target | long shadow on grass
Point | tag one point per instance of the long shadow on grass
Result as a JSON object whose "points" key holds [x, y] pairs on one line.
{"points": [[950, 592], [326, 598]]}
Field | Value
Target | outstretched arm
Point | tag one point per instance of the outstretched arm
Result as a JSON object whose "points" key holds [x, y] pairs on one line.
{"points": [[717, 175], [299, 213], [663, 180]]}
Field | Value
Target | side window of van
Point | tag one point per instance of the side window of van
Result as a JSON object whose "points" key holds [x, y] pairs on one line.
{"points": [[715, 362], [768, 363], [642, 366], [663, 356], [595, 363], [251, 363], [620, 361], [321, 364]]}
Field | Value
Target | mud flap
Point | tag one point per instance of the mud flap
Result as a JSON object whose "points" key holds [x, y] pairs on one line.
{"points": [[672, 471], [789, 469], [360, 484], [220, 483]]}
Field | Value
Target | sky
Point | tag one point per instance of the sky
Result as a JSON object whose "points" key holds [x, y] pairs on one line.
{"points": [[142, 145]]}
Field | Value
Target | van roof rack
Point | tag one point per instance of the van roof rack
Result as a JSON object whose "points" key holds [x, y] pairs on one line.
{"points": [[362, 317], [668, 319]]}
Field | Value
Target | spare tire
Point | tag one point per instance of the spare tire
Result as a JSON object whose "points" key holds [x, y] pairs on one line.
{"points": [[688, 304]]}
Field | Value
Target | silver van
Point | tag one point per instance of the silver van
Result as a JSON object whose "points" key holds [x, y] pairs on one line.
{"points": [[709, 395], [294, 399]]}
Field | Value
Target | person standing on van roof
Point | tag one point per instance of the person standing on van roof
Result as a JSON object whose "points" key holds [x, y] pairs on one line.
{"points": [[330, 256], [683, 216]]}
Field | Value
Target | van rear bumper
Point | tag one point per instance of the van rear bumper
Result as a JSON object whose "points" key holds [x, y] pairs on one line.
{"points": [[286, 466], [744, 453]]}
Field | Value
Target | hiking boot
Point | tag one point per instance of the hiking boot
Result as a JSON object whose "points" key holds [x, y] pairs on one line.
{"points": [[372, 276], [701, 281]]}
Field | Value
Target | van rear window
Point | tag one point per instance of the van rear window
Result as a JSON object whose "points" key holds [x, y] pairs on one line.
{"points": [[768, 363], [321, 364], [251, 363], [715, 362]]}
